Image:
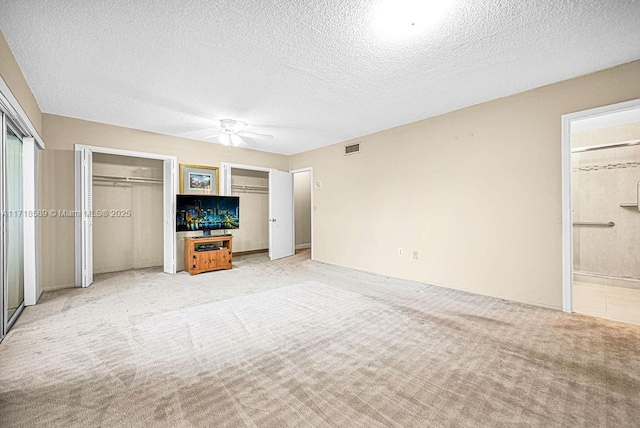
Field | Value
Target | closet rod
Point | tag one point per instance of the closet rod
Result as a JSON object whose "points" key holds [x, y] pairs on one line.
{"points": [[127, 179]]}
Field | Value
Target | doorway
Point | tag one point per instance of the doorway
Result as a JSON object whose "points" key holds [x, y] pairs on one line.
{"points": [[605, 217], [303, 209]]}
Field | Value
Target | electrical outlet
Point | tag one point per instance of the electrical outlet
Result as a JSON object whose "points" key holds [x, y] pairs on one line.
{"points": [[415, 255], [399, 251]]}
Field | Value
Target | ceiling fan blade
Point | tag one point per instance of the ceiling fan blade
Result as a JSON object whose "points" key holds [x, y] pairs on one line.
{"points": [[254, 135], [211, 136], [237, 141]]}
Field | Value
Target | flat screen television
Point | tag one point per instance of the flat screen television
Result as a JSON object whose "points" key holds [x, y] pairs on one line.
{"points": [[207, 213]]}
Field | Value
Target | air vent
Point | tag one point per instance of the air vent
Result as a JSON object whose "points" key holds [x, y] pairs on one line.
{"points": [[352, 149]]}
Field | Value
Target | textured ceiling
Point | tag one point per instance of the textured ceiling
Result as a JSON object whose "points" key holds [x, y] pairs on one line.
{"points": [[309, 72]]}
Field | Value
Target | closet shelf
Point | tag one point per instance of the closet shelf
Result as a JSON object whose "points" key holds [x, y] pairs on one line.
{"points": [[122, 179]]}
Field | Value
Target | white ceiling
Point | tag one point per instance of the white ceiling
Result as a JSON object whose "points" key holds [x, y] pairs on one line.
{"points": [[309, 72]]}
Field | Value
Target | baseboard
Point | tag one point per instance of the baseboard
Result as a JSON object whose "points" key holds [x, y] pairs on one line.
{"points": [[449, 286], [303, 246], [57, 287], [246, 253]]}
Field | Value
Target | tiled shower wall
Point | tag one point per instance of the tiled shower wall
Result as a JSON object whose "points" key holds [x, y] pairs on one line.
{"points": [[602, 180]]}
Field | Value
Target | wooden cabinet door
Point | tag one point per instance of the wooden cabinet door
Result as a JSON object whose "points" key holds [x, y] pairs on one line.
{"points": [[223, 261], [202, 260], [213, 259]]}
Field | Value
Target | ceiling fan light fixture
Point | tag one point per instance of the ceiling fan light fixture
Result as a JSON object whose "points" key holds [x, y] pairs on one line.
{"points": [[231, 132], [231, 126]]}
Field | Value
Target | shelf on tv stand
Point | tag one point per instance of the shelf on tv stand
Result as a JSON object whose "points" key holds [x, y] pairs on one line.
{"points": [[209, 260]]}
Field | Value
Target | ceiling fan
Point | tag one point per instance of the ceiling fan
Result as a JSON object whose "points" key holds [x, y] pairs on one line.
{"points": [[231, 132]]}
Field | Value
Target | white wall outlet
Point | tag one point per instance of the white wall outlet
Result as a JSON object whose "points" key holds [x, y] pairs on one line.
{"points": [[415, 255], [399, 251]]}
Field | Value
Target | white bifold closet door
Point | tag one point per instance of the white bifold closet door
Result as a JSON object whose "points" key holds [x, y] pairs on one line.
{"points": [[281, 241], [169, 206], [225, 180], [84, 215]]}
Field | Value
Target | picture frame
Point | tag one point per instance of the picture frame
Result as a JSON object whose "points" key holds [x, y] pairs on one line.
{"points": [[199, 179]]}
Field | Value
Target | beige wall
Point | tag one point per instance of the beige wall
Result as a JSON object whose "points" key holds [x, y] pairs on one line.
{"points": [[132, 241], [12, 75], [302, 203], [601, 181], [57, 179], [253, 233], [476, 192]]}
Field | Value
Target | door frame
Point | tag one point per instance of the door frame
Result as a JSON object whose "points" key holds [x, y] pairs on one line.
{"points": [[294, 172], [567, 227], [225, 188], [79, 196]]}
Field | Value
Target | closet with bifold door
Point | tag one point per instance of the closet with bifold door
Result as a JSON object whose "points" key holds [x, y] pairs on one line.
{"points": [[127, 213]]}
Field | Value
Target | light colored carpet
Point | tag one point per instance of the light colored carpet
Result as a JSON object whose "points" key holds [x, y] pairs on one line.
{"points": [[299, 343]]}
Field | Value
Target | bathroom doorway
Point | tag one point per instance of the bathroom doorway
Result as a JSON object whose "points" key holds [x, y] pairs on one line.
{"points": [[303, 208], [605, 216]]}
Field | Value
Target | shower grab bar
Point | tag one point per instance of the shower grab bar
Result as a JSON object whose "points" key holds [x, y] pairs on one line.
{"points": [[593, 223], [606, 146]]}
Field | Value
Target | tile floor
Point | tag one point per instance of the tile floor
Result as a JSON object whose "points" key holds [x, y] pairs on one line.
{"points": [[606, 301]]}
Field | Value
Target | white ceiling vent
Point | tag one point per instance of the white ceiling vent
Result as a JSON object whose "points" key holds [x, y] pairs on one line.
{"points": [[352, 149]]}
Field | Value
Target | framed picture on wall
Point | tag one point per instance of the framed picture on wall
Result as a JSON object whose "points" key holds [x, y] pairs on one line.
{"points": [[198, 179]]}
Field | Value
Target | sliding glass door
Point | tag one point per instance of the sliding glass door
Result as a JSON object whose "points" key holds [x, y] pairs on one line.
{"points": [[14, 232], [12, 225]]}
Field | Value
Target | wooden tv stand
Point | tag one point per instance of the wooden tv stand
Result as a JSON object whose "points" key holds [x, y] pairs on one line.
{"points": [[207, 260]]}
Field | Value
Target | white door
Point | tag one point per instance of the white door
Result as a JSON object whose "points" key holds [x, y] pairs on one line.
{"points": [[86, 216], [281, 242], [169, 220]]}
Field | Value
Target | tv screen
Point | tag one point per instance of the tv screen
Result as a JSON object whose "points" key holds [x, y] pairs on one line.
{"points": [[202, 212]]}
